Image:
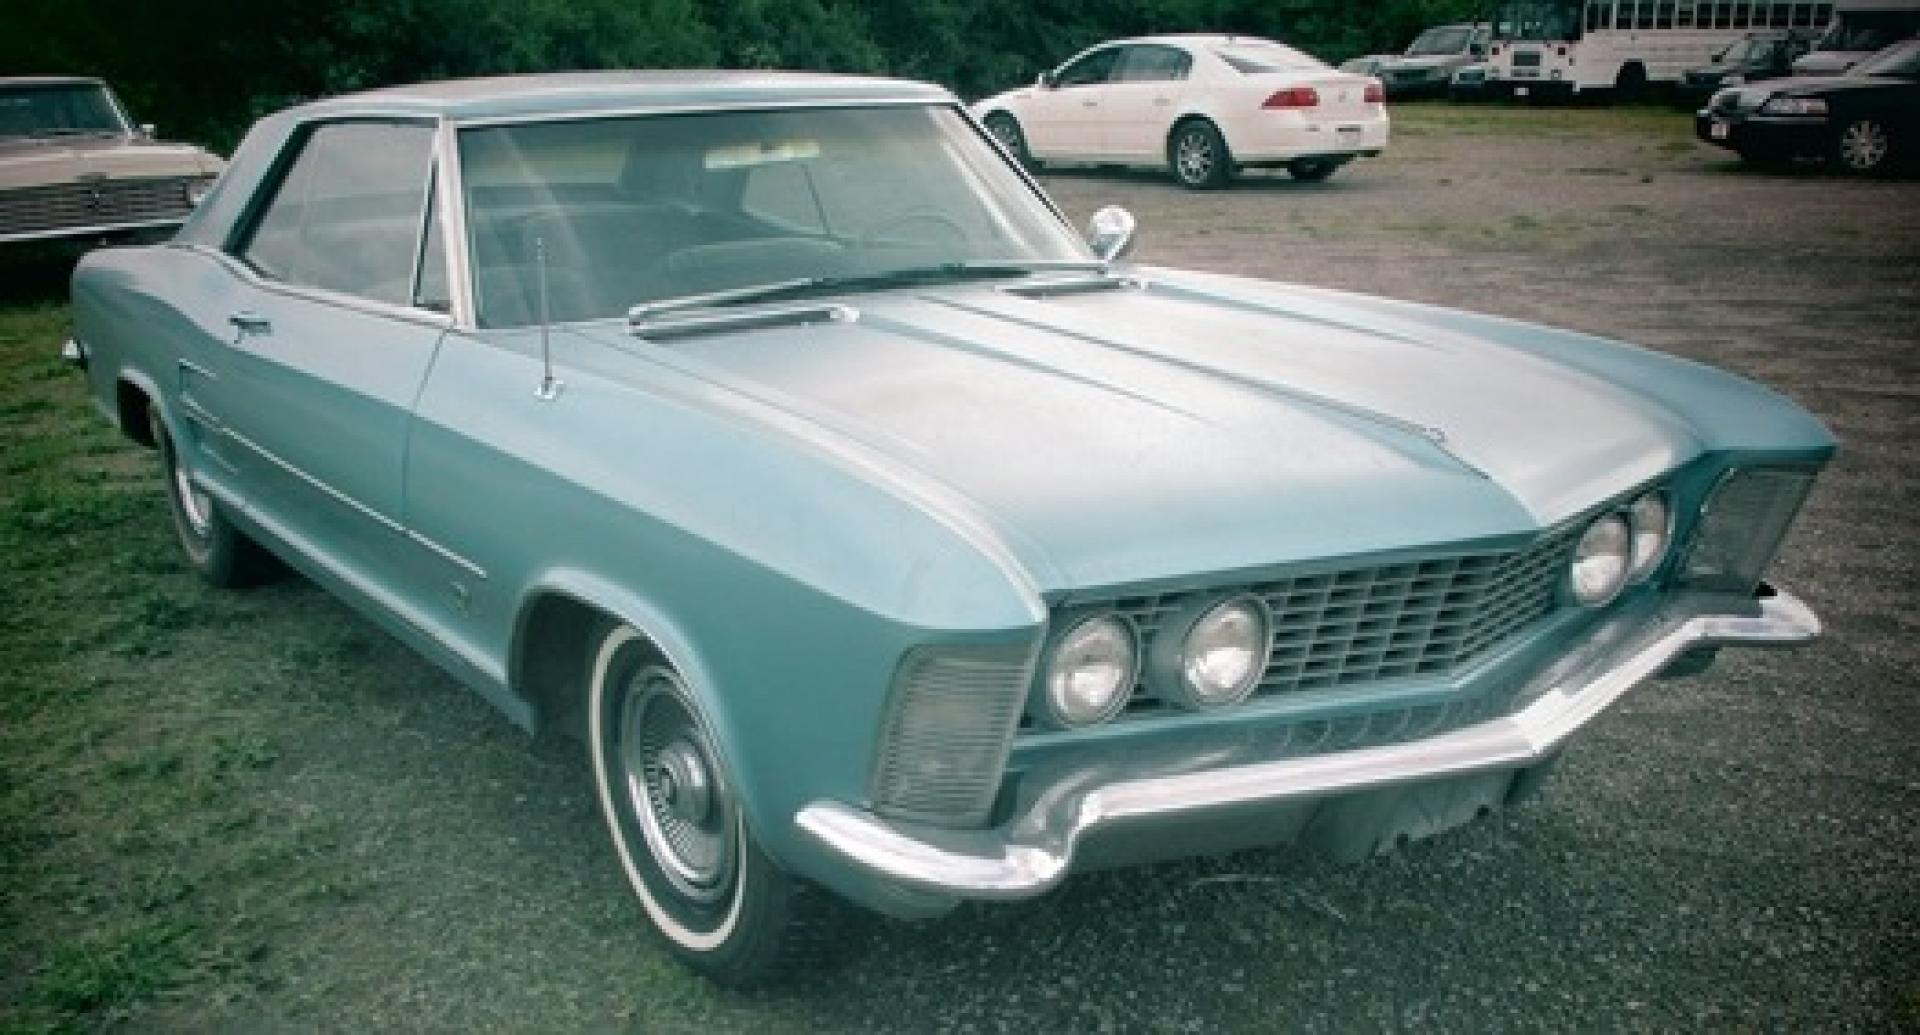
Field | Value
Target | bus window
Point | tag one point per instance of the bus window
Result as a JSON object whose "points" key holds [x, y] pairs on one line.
{"points": [[1663, 14], [1599, 14], [1683, 14]]}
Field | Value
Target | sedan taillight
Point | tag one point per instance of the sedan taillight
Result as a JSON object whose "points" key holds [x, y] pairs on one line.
{"points": [[1293, 97], [1376, 94]]}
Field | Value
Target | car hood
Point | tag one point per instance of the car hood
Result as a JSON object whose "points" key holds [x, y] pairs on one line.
{"points": [[1828, 62], [33, 161], [1755, 94], [1117, 437], [1401, 63]]}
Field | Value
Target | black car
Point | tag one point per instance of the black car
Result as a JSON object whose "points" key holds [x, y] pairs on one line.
{"points": [[1861, 122], [1756, 56]]}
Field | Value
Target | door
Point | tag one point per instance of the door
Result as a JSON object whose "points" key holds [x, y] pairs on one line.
{"points": [[1063, 117], [1141, 99], [331, 340]]}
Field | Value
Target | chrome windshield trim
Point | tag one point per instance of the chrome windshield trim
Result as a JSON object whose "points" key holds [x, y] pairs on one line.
{"points": [[453, 226], [701, 108], [1033, 852]]}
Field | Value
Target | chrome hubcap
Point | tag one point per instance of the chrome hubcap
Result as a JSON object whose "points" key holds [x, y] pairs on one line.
{"points": [[194, 502], [1193, 154], [1863, 145], [686, 816]]}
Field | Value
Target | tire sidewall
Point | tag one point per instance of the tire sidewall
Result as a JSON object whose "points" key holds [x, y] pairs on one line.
{"points": [[696, 929], [1017, 145], [1217, 172], [206, 551]]}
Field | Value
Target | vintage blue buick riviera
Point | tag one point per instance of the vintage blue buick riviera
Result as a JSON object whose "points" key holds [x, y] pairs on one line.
{"points": [[878, 533]]}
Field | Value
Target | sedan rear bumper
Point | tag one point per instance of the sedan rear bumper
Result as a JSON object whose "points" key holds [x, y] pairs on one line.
{"points": [[1033, 852]]}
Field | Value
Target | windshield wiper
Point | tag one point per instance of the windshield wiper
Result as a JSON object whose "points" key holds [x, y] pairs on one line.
{"points": [[801, 287]]}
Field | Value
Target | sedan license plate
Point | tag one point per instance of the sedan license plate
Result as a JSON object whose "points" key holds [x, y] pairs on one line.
{"points": [[1719, 130], [1520, 91], [1348, 134], [1526, 73]]}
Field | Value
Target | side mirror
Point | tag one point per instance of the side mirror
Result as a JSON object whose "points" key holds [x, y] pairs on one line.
{"points": [[1110, 233], [1046, 81], [148, 131]]}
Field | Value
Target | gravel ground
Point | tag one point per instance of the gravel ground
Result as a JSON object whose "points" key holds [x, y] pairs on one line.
{"points": [[1729, 851]]}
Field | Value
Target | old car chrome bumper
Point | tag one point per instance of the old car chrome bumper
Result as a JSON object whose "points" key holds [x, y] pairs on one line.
{"points": [[1034, 851]]}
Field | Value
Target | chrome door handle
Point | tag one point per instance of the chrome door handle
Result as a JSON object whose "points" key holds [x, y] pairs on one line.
{"points": [[1163, 101], [1089, 103], [249, 322]]}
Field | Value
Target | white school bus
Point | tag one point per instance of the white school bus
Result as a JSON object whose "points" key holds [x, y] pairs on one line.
{"points": [[1568, 47]]}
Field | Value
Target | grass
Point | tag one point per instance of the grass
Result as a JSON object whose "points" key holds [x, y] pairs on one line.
{"points": [[140, 846]]}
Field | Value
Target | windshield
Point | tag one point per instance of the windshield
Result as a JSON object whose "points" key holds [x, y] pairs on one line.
{"points": [[58, 110], [1740, 51], [1538, 20], [1252, 57], [1902, 60], [643, 209], [1451, 39]]}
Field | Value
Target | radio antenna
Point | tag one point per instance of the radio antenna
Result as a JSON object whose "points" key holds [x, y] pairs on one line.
{"points": [[549, 386]]}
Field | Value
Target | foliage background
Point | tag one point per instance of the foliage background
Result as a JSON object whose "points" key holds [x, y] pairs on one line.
{"points": [[204, 70]]}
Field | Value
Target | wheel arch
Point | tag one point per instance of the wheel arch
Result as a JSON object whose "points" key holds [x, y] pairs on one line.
{"points": [[134, 398]]}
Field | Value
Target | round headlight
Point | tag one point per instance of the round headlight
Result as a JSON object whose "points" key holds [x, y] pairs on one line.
{"points": [[198, 189], [1090, 672], [1600, 561], [1652, 521], [1215, 657]]}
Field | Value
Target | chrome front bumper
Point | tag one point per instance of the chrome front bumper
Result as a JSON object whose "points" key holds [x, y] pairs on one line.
{"points": [[1034, 851]]}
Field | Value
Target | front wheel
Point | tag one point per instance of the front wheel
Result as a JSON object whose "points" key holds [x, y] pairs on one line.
{"points": [[1006, 130], [1197, 156], [676, 822], [1862, 147], [1312, 170]]}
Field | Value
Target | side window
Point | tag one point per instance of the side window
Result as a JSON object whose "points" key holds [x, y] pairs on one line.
{"points": [[1089, 70], [347, 215], [1153, 65]]}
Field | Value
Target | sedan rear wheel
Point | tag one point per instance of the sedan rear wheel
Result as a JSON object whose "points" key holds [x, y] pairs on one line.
{"points": [[1863, 146], [678, 828], [1198, 156], [216, 550]]}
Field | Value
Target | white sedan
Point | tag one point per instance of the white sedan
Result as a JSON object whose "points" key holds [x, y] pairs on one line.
{"points": [[1203, 107]]}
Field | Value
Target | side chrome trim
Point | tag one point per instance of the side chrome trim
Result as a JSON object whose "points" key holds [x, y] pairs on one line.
{"points": [[453, 226], [96, 228], [1033, 852], [356, 506]]}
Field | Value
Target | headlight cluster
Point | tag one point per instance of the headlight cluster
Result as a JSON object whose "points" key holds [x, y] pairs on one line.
{"points": [[198, 188], [1210, 654], [1794, 106], [1620, 547]]}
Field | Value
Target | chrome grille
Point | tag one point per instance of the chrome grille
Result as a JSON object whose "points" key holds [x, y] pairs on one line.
{"points": [[93, 203], [1418, 617]]}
